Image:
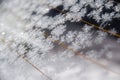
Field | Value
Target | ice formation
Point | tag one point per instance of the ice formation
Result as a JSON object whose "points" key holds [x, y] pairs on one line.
{"points": [[27, 27]]}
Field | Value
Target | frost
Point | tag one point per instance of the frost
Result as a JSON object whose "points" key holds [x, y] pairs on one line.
{"points": [[83, 40], [54, 41], [99, 39], [61, 30], [70, 36], [113, 31]]}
